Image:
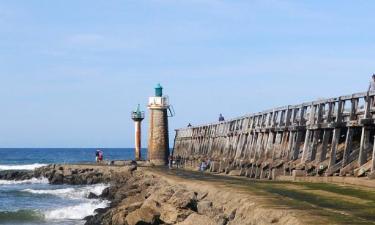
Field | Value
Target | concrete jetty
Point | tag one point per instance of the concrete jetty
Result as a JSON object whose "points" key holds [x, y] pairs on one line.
{"points": [[330, 137]]}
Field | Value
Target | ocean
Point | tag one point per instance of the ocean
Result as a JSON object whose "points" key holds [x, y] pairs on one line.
{"points": [[32, 202]]}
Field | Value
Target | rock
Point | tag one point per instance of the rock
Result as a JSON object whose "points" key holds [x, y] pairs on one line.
{"points": [[144, 215], [204, 206], [184, 199], [16, 175], [92, 196], [57, 178], [196, 219]]}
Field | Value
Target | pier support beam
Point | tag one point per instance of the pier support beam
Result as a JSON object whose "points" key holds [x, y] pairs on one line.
{"points": [[323, 153], [348, 146], [335, 143], [314, 145], [306, 146], [365, 139], [296, 145]]}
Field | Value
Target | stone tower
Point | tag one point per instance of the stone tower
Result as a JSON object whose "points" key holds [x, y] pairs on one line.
{"points": [[138, 116], [158, 137]]}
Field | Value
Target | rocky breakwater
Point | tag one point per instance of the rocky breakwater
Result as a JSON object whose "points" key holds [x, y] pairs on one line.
{"points": [[146, 199], [16, 175], [82, 174], [138, 196]]}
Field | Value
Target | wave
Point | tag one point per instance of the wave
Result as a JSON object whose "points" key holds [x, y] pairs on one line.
{"points": [[29, 181], [72, 193], [21, 215], [76, 212], [22, 167]]}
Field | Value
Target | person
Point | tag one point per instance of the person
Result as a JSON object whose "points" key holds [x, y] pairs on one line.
{"points": [[189, 125], [221, 117], [178, 161], [372, 84], [203, 166], [170, 160], [97, 155], [208, 163], [100, 157]]}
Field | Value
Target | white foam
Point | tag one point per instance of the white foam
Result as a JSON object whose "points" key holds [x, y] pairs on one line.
{"points": [[73, 193], [76, 212], [22, 167], [29, 181]]}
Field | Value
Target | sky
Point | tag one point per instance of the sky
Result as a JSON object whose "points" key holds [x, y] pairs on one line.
{"points": [[71, 71]]}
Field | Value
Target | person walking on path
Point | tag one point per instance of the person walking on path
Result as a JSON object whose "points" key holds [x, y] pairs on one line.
{"points": [[170, 161]]}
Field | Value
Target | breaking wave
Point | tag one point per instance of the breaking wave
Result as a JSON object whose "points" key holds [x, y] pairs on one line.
{"points": [[22, 167], [29, 181], [76, 212], [73, 193]]}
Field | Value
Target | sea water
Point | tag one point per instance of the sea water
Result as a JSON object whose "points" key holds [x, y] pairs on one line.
{"points": [[34, 201]]}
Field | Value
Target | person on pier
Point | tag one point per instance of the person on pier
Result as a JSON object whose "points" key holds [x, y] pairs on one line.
{"points": [[221, 118], [372, 84]]}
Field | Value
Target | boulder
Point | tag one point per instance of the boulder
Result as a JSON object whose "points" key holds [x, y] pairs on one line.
{"points": [[144, 215], [204, 206], [195, 219], [184, 199]]}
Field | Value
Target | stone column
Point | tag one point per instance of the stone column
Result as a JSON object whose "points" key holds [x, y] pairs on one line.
{"points": [[158, 140]]}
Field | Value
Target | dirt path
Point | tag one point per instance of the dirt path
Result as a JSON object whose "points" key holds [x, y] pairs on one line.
{"points": [[313, 203]]}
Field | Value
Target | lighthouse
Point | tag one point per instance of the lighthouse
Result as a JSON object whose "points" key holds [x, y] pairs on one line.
{"points": [[158, 140], [138, 116]]}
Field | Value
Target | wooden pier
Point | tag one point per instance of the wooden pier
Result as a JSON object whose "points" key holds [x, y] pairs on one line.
{"points": [[330, 137]]}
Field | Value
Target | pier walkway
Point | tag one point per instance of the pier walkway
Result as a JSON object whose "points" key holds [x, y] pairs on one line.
{"points": [[317, 203]]}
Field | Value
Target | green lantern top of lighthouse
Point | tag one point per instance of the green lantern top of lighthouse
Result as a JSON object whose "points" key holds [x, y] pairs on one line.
{"points": [[138, 115], [158, 91]]}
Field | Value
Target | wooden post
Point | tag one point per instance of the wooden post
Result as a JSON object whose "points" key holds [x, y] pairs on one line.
{"points": [[323, 153], [314, 145], [270, 145], [335, 143], [365, 139], [306, 146], [296, 145], [292, 136], [348, 146], [373, 158]]}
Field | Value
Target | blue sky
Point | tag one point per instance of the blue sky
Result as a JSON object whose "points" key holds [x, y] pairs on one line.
{"points": [[72, 70]]}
